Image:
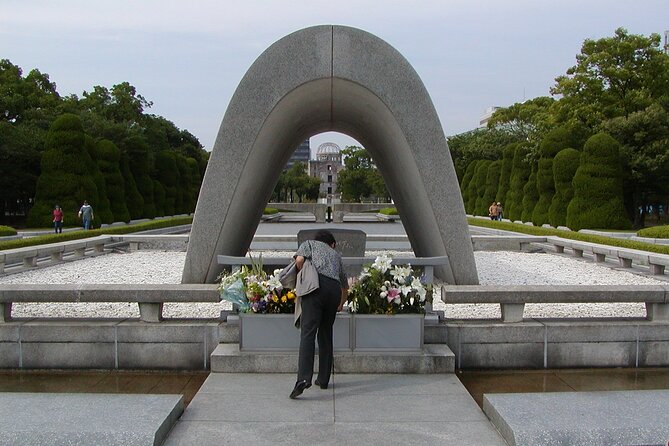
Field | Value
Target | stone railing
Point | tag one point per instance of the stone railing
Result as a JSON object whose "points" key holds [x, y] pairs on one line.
{"points": [[53, 253], [426, 263], [149, 297], [512, 299], [627, 257], [50, 254]]}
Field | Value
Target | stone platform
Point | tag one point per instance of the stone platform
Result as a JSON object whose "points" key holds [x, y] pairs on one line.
{"points": [[585, 418], [434, 358], [254, 409], [87, 419]]}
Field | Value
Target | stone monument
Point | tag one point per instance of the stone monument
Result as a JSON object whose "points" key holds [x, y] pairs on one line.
{"points": [[330, 78]]}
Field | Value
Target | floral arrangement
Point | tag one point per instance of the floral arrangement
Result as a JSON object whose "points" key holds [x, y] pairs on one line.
{"points": [[383, 288], [255, 291]]}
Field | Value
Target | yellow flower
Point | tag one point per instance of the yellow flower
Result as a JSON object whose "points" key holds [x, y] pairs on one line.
{"points": [[275, 299], [283, 299], [290, 295]]}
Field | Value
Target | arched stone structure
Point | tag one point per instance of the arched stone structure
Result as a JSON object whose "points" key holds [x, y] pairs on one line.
{"points": [[330, 78]]}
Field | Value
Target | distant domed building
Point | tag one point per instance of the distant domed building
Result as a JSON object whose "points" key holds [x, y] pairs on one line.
{"points": [[326, 166]]}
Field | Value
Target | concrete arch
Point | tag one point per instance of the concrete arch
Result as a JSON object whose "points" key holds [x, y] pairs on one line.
{"points": [[330, 78]]}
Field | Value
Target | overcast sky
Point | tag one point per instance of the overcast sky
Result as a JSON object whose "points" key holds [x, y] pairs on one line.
{"points": [[188, 57]]}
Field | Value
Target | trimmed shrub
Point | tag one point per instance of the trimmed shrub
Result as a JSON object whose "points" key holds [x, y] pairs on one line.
{"points": [[505, 173], [565, 164], [481, 207], [654, 232], [464, 185], [553, 142], [491, 185], [108, 157], [159, 197], [138, 154], [101, 209], [598, 187], [530, 196], [195, 181], [7, 231], [272, 211], [168, 175], [133, 199], [65, 177], [470, 205], [520, 172]]}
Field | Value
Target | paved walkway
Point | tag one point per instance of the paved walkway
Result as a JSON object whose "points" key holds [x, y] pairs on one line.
{"points": [[356, 409]]}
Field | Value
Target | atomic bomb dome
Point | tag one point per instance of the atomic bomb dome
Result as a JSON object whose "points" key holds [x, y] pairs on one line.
{"points": [[328, 151]]}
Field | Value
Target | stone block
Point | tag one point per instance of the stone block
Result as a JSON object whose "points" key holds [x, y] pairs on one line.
{"points": [[653, 354], [591, 354], [9, 355], [10, 332], [165, 332], [501, 356], [581, 418], [591, 331], [87, 419], [68, 355], [171, 356], [497, 332], [63, 331]]}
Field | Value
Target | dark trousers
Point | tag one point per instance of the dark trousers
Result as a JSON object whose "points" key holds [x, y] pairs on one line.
{"points": [[319, 310]]}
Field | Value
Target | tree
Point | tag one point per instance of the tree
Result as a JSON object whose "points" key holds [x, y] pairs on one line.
{"points": [[614, 76], [360, 178], [486, 143], [65, 178], [565, 164], [598, 187], [644, 136], [526, 121]]}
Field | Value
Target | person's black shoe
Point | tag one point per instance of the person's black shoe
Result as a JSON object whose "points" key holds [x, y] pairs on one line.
{"points": [[322, 386], [300, 386]]}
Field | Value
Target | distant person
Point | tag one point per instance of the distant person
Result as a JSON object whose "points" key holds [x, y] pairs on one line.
{"points": [[492, 211], [58, 220], [86, 214], [500, 211]]}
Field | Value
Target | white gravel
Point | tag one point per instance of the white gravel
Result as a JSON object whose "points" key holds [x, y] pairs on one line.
{"points": [[494, 268]]}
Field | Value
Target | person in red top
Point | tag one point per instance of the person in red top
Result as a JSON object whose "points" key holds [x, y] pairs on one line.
{"points": [[58, 220]]}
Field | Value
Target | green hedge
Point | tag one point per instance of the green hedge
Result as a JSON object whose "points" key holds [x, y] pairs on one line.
{"points": [[565, 164], [571, 235], [7, 231], [519, 175], [76, 235], [505, 173], [598, 187], [530, 196], [655, 232], [388, 211], [270, 211], [480, 206]]}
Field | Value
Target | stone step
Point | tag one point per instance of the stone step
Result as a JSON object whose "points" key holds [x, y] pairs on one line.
{"points": [[434, 358]]}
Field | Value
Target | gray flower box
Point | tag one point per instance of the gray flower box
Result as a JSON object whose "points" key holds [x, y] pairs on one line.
{"points": [[277, 332], [379, 332]]}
